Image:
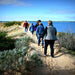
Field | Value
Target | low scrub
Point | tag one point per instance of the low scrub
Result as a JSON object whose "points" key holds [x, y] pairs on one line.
{"points": [[34, 55], [15, 60], [6, 42], [67, 40], [12, 59], [12, 23], [22, 42]]}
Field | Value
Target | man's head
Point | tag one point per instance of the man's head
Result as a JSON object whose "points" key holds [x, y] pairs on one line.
{"points": [[39, 23], [39, 20], [49, 22]]}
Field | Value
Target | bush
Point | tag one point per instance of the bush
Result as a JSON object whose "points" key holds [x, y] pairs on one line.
{"points": [[67, 40], [12, 59], [61, 34], [15, 60], [33, 59], [12, 23], [22, 42], [6, 42], [37, 59]]}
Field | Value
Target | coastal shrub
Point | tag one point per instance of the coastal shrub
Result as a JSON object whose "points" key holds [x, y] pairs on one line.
{"points": [[12, 59], [37, 59], [6, 42], [67, 40], [61, 34], [15, 59], [33, 59], [22, 42], [12, 23]]}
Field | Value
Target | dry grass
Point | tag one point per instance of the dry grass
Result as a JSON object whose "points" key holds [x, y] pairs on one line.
{"points": [[67, 40]]}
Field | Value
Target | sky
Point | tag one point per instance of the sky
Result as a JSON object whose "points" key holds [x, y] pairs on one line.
{"points": [[33, 10]]}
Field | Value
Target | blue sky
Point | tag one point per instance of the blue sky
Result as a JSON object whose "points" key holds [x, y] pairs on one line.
{"points": [[32, 10]]}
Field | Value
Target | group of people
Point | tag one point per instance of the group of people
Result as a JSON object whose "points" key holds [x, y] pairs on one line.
{"points": [[49, 33]]}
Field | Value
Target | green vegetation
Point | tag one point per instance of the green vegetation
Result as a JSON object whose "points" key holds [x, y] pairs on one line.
{"points": [[37, 59], [12, 60], [67, 40], [12, 23], [22, 42], [6, 42], [61, 34], [16, 59]]}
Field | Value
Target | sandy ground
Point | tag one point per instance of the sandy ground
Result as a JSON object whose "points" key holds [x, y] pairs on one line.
{"points": [[61, 64]]}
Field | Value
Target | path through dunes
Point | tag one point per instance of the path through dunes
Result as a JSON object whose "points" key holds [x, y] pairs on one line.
{"points": [[61, 64]]}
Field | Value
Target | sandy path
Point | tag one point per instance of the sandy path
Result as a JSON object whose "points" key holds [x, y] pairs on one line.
{"points": [[61, 64]]}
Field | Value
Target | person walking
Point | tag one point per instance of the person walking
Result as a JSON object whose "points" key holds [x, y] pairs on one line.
{"points": [[26, 26], [31, 28], [39, 33], [50, 37], [37, 24]]}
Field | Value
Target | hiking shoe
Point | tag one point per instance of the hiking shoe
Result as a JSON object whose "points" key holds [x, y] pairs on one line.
{"points": [[45, 55], [42, 46], [52, 56], [38, 44]]}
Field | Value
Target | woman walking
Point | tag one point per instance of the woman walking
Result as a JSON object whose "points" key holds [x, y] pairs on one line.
{"points": [[50, 37], [39, 33]]}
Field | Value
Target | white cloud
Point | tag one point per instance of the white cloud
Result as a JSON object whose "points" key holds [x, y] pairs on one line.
{"points": [[35, 18], [6, 2], [14, 3]]}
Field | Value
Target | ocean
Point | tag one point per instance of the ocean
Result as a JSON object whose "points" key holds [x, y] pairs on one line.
{"points": [[60, 26]]}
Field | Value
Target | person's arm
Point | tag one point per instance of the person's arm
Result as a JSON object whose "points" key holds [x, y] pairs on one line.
{"points": [[37, 30], [45, 31], [36, 25], [55, 31]]}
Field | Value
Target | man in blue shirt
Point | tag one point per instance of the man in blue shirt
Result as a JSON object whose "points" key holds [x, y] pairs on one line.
{"points": [[39, 33]]}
